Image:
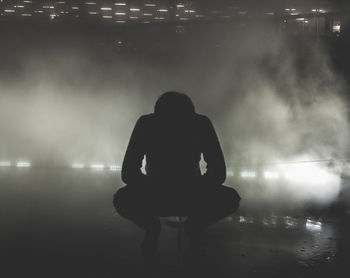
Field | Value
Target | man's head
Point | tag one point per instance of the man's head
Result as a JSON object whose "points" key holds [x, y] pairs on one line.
{"points": [[174, 104]]}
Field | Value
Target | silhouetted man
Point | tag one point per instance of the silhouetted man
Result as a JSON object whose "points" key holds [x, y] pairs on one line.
{"points": [[173, 138]]}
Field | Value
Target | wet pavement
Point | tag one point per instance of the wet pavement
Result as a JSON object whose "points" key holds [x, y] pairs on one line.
{"points": [[59, 223]]}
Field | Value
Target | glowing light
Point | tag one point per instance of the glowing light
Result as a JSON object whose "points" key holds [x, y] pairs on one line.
{"points": [[90, 3], [162, 10], [78, 166], [313, 226], [75, 8], [271, 175], [26, 14], [5, 163], [150, 5], [92, 13], [307, 173], [114, 167], [180, 6], [106, 9], [107, 16], [120, 21], [133, 17], [147, 14], [248, 174], [97, 166], [290, 221], [300, 19], [120, 4], [9, 11], [23, 164], [118, 13], [336, 28], [134, 9]]}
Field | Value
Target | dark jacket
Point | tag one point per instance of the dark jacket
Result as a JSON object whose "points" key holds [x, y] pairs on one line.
{"points": [[173, 148]]}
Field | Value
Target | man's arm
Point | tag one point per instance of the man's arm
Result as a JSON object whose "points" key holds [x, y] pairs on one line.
{"points": [[213, 156], [132, 163]]}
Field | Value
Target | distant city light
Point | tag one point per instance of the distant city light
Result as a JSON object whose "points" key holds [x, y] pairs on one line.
{"points": [[248, 174], [162, 10], [107, 16], [97, 166], [23, 164], [120, 4], [180, 6], [5, 163], [134, 9], [114, 167], [119, 13], [106, 8], [271, 175], [78, 165], [150, 5]]}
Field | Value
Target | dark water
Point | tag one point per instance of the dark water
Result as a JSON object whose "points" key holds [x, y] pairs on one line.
{"points": [[61, 223]]}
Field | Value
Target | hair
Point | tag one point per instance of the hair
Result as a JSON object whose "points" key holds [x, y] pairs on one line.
{"points": [[174, 103]]}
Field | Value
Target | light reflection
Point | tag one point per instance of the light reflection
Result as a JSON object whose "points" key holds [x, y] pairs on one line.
{"points": [[313, 226]]}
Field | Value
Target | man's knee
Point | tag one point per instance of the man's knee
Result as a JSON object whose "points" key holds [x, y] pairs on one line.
{"points": [[120, 200], [231, 199]]}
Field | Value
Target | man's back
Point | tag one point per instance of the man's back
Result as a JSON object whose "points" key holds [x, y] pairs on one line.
{"points": [[173, 148]]}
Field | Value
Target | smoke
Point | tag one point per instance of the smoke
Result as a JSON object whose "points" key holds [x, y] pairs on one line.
{"points": [[272, 98]]}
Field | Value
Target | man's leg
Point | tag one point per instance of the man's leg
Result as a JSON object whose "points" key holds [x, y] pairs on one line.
{"points": [[137, 203], [209, 205]]}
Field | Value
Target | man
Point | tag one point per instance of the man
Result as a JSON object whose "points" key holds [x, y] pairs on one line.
{"points": [[172, 139]]}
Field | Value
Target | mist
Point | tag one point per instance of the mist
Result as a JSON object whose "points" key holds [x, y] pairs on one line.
{"points": [[273, 100]]}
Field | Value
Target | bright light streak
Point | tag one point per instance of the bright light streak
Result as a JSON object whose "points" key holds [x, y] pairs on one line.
{"points": [[150, 5], [78, 166], [134, 9], [118, 13], [162, 10], [313, 226], [5, 163], [23, 164], [92, 12], [120, 4], [107, 16], [115, 167], [106, 9], [248, 174], [97, 166], [180, 6], [271, 175], [307, 174]]}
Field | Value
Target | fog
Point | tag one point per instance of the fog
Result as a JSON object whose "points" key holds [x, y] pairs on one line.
{"points": [[273, 100]]}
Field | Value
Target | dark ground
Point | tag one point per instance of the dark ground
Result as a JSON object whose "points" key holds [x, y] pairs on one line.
{"points": [[61, 223]]}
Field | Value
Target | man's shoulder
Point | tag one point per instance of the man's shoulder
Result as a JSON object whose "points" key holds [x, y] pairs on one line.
{"points": [[197, 118]]}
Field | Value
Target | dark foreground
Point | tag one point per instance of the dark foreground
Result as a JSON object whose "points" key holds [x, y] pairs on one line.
{"points": [[59, 223]]}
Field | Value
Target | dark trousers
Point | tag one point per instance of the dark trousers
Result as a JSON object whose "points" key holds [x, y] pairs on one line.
{"points": [[203, 205]]}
